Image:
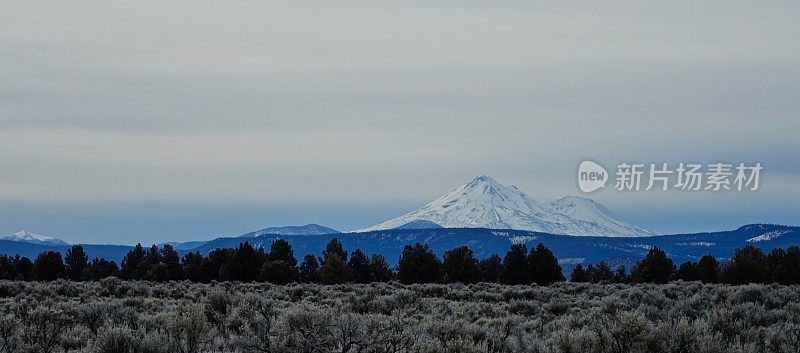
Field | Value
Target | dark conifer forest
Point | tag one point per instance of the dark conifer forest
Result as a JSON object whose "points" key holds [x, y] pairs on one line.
{"points": [[417, 264]]}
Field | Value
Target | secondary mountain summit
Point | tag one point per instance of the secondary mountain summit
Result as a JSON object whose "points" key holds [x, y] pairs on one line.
{"points": [[308, 229], [485, 203], [28, 237]]}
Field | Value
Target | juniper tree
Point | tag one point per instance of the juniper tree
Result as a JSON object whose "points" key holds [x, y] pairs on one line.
{"points": [[578, 274], [48, 266], [99, 269], [281, 265], [708, 269], [600, 273], [281, 250], [195, 267], [171, 263], [23, 268], [131, 267], [656, 267], [688, 271], [544, 266], [621, 276], [788, 269], [747, 265], [379, 268], [460, 266], [418, 264], [309, 269], [490, 268], [333, 270], [515, 266], [358, 268], [75, 262], [335, 247], [152, 266], [247, 262], [334, 263]]}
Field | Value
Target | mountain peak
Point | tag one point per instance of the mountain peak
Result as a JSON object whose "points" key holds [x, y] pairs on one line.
{"points": [[482, 181], [28, 237], [483, 178], [575, 199], [308, 229], [484, 203]]}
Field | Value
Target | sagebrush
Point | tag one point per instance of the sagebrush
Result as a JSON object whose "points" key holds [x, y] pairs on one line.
{"points": [[113, 315]]}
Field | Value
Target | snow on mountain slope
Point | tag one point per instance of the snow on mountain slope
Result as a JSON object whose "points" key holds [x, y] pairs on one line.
{"points": [[28, 237], [420, 224], [769, 235], [308, 229], [485, 203]]}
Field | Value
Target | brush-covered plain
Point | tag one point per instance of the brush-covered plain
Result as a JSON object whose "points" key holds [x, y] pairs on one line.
{"points": [[117, 316]]}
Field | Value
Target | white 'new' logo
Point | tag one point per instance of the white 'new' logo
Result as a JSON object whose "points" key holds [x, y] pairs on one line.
{"points": [[591, 176]]}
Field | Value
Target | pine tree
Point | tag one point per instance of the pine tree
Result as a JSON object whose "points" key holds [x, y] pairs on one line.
{"points": [[620, 276], [309, 269], [788, 270], [418, 264], [48, 266], [656, 267], [335, 247], [23, 268], [688, 271], [379, 267], [358, 267], [600, 273], [99, 269], [152, 266], [460, 266], [132, 263], [281, 250], [247, 263], [195, 267], [219, 265], [515, 266], [708, 269], [75, 262], [281, 265], [578, 275], [5, 267], [173, 270], [544, 266], [334, 263], [748, 265], [333, 270], [490, 268], [278, 272]]}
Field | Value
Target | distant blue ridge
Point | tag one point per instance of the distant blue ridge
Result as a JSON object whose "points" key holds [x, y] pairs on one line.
{"points": [[570, 250]]}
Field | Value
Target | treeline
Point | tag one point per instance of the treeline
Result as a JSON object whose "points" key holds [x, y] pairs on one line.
{"points": [[417, 264], [748, 265], [278, 265], [50, 266]]}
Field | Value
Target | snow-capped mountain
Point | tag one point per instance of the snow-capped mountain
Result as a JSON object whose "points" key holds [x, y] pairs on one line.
{"points": [[28, 237], [420, 224], [308, 229], [485, 203]]}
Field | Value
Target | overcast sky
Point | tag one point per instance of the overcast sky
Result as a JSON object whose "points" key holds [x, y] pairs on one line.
{"points": [[149, 121]]}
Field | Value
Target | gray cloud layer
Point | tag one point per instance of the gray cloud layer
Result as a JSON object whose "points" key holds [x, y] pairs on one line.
{"points": [[388, 102]]}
